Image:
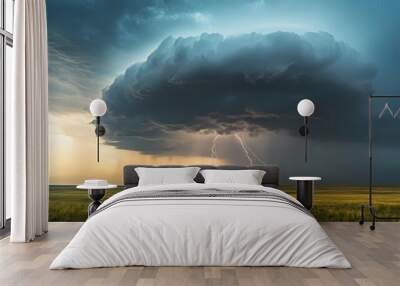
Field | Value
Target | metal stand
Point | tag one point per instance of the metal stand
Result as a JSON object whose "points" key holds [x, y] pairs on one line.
{"points": [[369, 206], [95, 195]]}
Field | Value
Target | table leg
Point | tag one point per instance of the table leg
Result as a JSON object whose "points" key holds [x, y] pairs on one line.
{"points": [[95, 196], [305, 190]]}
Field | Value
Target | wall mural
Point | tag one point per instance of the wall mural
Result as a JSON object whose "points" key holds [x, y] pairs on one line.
{"points": [[218, 82]]}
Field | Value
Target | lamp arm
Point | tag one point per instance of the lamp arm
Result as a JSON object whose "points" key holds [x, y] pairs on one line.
{"points": [[97, 133], [306, 138]]}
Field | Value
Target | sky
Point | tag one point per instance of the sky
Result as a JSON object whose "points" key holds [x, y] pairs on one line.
{"points": [[217, 82]]}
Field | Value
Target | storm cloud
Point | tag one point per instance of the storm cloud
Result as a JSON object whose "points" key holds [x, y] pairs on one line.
{"points": [[245, 83]]}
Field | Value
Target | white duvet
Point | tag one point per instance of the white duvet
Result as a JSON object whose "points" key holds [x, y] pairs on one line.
{"points": [[199, 231]]}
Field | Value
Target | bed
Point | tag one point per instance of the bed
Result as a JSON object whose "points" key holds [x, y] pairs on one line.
{"points": [[197, 224]]}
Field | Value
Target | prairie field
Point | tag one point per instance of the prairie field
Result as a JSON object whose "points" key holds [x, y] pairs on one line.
{"points": [[330, 203]]}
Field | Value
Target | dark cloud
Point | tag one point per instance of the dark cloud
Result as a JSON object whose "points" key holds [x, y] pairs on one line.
{"points": [[247, 83]]}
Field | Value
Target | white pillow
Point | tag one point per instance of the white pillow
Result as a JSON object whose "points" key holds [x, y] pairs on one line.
{"points": [[165, 176], [248, 177]]}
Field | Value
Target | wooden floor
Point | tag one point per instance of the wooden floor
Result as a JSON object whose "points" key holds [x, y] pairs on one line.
{"points": [[375, 257]]}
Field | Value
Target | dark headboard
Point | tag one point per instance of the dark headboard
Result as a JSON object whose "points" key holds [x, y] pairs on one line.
{"points": [[271, 177]]}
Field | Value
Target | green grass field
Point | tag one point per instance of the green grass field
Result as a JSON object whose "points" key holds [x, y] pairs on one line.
{"points": [[330, 203]]}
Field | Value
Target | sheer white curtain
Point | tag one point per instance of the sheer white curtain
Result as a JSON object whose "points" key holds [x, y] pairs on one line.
{"points": [[28, 161]]}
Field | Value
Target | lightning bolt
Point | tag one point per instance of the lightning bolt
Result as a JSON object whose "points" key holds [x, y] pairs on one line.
{"points": [[214, 147], [246, 152], [256, 156], [249, 150]]}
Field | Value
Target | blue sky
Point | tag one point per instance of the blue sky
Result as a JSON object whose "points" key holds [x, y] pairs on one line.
{"points": [[340, 51]]}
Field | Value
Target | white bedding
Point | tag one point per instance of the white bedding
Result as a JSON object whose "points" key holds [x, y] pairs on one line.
{"points": [[200, 231]]}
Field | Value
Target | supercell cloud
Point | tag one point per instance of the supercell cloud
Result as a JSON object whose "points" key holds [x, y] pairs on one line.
{"points": [[246, 83]]}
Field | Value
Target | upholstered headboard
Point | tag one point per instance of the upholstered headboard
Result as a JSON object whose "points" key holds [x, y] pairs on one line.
{"points": [[271, 177]]}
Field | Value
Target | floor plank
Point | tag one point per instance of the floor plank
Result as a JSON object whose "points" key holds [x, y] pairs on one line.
{"points": [[375, 257]]}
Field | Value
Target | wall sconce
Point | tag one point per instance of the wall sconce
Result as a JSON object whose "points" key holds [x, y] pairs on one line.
{"points": [[305, 108], [98, 108]]}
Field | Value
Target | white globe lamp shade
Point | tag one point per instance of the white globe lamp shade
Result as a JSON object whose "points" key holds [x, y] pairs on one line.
{"points": [[305, 107], [98, 107]]}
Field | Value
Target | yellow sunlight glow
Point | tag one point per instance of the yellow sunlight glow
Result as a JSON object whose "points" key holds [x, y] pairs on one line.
{"points": [[72, 152]]}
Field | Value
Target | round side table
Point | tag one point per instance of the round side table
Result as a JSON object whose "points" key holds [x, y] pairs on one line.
{"points": [[305, 190], [95, 193]]}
